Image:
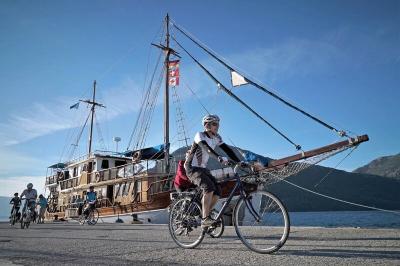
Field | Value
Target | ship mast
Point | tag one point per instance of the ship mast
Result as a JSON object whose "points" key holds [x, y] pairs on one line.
{"points": [[166, 97], [168, 52], [92, 111]]}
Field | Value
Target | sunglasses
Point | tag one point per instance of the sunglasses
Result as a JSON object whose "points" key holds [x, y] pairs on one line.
{"points": [[214, 124]]}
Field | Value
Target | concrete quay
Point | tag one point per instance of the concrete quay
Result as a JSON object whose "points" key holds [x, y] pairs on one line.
{"points": [[123, 244]]}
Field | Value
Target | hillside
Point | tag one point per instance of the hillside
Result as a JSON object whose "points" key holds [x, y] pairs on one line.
{"points": [[366, 189], [387, 166]]}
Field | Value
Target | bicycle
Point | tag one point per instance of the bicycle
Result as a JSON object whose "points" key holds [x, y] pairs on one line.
{"points": [[14, 215], [186, 198], [92, 216], [26, 215], [260, 219]]}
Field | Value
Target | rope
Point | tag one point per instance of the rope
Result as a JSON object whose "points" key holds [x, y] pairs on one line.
{"points": [[214, 55], [230, 93], [340, 200], [334, 168]]}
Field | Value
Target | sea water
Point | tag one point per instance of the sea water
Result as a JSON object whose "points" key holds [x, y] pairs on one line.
{"points": [[363, 219]]}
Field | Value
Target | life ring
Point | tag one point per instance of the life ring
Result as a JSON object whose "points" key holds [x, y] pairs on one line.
{"points": [[97, 177]]}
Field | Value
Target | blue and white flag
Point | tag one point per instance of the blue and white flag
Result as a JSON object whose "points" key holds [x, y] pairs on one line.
{"points": [[76, 106]]}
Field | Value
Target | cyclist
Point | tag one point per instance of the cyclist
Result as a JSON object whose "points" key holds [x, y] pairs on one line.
{"points": [[30, 197], [91, 198], [196, 164], [16, 202], [43, 205]]}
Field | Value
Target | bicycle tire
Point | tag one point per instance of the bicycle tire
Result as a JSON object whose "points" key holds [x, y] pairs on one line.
{"points": [[185, 218], [93, 217], [248, 228], [13, 219]]}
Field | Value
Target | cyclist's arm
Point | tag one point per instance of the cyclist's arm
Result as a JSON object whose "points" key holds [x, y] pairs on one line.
{"points": [[231, 154]]}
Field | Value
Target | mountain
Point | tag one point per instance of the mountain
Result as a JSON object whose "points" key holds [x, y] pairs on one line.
{"points": [[367, 189], [388, 166]]}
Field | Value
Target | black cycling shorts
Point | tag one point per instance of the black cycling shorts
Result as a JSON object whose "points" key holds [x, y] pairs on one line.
{"points": [[203, 178]]}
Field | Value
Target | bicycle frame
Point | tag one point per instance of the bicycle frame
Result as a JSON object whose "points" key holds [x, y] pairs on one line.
{"points": [[243, 194]]}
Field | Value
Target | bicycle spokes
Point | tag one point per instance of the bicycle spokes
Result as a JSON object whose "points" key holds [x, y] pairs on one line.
{"points": [[261, 222]]}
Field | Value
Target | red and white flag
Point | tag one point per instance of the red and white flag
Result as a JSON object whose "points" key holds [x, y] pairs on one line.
{"points": [[173, 73]]}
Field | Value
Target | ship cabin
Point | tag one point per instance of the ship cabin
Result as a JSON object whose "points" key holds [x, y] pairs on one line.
{"points": [[122, 184]]}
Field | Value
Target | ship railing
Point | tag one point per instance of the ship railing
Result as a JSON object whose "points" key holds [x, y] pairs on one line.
{"points": [[69, 183], [154, 188], [51, 180], [130, 170], [80, 158]]}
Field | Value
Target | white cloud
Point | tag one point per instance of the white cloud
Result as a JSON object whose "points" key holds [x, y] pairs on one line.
{"points": [[44, 118], [9, 186], [15, 163]]}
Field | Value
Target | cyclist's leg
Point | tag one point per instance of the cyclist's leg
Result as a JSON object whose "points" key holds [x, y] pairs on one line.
{"points": [[217, 191], [23, 210], [17, 213], [200, 177]]}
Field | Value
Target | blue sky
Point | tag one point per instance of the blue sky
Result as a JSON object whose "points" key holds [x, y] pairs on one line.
{"points": [[339, 60]]}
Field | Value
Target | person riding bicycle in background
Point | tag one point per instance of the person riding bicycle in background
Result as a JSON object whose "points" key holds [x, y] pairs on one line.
{"points": [[43, 205], [16, 202], [30, 197], [91, 198], [196, 164]]}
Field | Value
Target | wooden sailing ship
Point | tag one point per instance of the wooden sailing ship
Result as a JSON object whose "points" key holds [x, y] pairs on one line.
{"points": [[141, 180]]}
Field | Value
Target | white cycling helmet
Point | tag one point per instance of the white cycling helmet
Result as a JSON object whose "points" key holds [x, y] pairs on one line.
{"points": [[29, 186], [210, 119]]}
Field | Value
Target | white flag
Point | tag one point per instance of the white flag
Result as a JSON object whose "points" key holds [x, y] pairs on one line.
{"points": [[237, 79]]}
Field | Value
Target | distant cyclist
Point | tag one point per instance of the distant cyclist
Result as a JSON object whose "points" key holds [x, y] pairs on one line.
{"points": [[43, 205], [196, 164], [16, 202], [30, 197], [91, 199]]}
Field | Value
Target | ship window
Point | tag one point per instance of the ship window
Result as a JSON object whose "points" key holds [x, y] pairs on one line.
{"points": [[119, 163], [105, 164], [75, 172]]}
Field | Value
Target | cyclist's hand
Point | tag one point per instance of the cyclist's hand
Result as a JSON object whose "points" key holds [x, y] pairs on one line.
{"points": [[223, 160]]}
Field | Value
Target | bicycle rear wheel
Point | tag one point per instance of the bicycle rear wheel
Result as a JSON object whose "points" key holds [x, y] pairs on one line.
{"points": [[261, 222], [93, 217], [185, 223]]}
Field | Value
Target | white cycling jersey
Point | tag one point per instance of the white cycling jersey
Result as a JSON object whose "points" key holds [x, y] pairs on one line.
{"points": [[29, 195], [198, 155]]}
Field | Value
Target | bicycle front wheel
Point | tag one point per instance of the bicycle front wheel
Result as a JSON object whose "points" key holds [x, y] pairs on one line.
{"points": [[93, 217], [185, 223], [261, 222]]}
